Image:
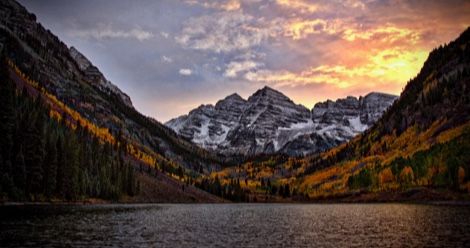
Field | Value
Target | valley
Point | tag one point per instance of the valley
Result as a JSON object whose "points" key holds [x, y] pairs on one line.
{"points": [[70, 135]]}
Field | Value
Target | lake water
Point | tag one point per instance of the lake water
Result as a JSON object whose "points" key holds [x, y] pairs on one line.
{"points": [[236, 225]]}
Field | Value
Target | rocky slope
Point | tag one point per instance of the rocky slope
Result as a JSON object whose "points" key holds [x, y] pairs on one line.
{"points": [[269, 122], [94, 75]]}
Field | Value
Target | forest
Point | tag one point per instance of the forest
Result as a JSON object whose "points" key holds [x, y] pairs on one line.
{"points": [[43, 158]]}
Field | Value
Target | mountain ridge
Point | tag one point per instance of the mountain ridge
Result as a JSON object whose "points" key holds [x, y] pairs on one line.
{"points": [[417, 151], [235, 125]]}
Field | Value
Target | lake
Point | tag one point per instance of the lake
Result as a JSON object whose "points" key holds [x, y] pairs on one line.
{"points": [[236, 225]]}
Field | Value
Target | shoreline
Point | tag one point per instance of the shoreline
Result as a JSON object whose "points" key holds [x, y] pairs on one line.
{"points": [[319, 202], [428, 196]]}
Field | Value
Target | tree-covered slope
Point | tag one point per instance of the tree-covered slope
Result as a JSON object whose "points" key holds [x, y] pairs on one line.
{"points": [[44, 158], [421, 141]]}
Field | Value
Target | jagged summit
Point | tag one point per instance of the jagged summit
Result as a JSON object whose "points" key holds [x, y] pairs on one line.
{"points": [[268, 94], [234, 96], [268, 121], [230, 99]]}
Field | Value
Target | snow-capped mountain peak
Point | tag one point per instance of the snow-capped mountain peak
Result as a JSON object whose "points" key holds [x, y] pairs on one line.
{"points": [[268, 122]]}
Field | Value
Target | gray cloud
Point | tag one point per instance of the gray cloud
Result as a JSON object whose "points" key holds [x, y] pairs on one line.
{"points": [[103, 31], [222, 32]]}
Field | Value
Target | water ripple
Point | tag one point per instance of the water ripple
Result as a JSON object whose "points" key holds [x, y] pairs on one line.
{"points": [[236, 225]]}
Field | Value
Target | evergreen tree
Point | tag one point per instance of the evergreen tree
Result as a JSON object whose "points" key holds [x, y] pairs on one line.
{"points": [[71, 168], [50, 168], [286, 190], [281, 191], [61, 164], [19, 171]]}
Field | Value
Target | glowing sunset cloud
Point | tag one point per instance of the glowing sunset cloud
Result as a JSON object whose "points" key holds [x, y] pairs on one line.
{"points": [[171, 56]]}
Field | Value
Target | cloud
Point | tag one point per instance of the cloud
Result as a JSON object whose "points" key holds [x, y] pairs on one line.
{"points": [[234, 67], [389, 66], [288, 78], [222, 32], [306, 7], [300, 29], [167, 59], [185, 72], [387, 33], [228, 5], [349, 31], [354, 4], [165, 34], [302, 5], [320, 48], [103, 32]]}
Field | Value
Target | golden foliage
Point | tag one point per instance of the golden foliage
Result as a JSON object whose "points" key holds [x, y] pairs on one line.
{"points": [[451, 133], [461, 175], [407, 175], [384, 152], [321, 176], [55, 115], [386, 176]]}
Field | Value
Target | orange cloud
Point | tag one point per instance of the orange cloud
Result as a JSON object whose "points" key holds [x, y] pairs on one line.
{"points": [[301, 5], [300, 29], [387, 33], [389, 66]]}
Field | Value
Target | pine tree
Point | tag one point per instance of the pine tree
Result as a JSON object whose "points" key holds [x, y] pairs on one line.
{"points": [[286, 191], [19, 171], [61, 164], [50, 168], [71, 168]]}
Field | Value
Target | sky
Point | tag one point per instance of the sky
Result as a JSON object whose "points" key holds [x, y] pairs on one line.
{"points": [[171, 56]]}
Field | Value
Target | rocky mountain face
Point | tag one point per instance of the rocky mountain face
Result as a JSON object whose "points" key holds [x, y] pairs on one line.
{"points": [[94, 75], [269, 122], [41, 43]]}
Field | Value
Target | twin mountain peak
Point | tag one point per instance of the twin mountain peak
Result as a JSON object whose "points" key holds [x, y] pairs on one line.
{"points": [[268, 122]]}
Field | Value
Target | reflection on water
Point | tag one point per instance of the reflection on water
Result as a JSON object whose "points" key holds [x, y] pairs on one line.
{"points": [[231, 225]]}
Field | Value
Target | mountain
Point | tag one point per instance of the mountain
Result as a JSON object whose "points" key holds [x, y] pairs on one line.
{"points": [[76, 95], [269, 122], [68, 75], [418, 149]]}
